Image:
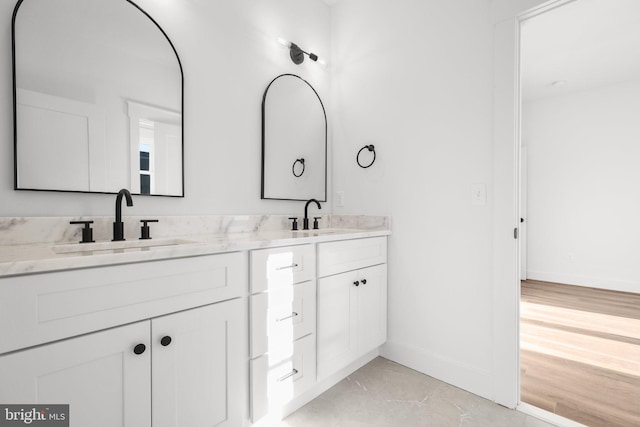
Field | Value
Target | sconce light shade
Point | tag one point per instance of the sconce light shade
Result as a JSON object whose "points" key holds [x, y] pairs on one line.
{"points": [[283, 42]]}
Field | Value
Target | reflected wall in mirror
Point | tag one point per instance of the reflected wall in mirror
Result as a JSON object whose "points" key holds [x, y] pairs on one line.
{"points": [[294, 141], [98, 99]]}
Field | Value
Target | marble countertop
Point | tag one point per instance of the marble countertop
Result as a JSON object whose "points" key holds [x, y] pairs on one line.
{"points": [[46, 257]]}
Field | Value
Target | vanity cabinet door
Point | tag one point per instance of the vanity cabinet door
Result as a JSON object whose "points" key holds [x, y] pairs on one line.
{"points": [[99, 375], [352, 316], [199, 377], [336, 322], [372, 307]]}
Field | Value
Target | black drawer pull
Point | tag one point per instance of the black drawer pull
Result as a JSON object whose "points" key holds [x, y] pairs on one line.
{"points": [[357, 283], [364, 281], [165, 341]]}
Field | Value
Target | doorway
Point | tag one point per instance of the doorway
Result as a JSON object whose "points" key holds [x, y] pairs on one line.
{"points": [[580, 180]]}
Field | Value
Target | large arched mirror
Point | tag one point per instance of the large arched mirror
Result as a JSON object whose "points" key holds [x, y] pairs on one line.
{"points": [[98, 99], [294, 141]]}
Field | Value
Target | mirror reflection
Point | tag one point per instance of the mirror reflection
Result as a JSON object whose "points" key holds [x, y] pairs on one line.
{"points": [[294, 141], [98, 99]]}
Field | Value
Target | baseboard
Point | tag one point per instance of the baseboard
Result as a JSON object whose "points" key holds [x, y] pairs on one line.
{"points": [[591, 282], [547, 416], [456, 374]]}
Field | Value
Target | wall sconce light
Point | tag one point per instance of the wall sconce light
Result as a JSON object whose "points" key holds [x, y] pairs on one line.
{"points": [[297, 54]]}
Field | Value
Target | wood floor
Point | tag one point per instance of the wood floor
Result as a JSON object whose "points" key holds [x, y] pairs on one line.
{"points": [[580, 353]]}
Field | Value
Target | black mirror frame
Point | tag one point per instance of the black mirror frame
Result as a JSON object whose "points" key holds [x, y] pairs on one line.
{"points": [[264, 98], [15, 118]]}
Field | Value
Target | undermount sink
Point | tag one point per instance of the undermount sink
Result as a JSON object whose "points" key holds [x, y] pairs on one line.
{"points": [[120, 246]]}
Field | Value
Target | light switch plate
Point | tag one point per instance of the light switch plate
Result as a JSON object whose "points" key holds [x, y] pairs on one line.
{"points": [[478, 194]]}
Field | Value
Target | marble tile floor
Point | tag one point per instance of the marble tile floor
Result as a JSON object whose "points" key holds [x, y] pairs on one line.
{"points": [[386, 394]]}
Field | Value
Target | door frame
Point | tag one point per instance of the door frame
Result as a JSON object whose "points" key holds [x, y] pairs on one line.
{"points": [[507, 16], [524, 171]]}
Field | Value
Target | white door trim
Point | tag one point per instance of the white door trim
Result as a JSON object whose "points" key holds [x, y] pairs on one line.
{"points": [[524, 171], [507, 16]]}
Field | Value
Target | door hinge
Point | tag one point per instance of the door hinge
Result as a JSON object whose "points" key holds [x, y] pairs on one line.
{"points": [[515, 233]]}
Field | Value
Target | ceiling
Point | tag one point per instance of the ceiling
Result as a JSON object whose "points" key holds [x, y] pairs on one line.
{"points": [[585, 43]]}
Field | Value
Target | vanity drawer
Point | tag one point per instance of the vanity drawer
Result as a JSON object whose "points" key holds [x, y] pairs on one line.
{"points": [[282, 316], [40, 308], [347, 255], [275, 384], [279, 267]]}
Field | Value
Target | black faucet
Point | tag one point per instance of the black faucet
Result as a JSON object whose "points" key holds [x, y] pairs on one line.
{"points": [[118, 226], [305, 222]]}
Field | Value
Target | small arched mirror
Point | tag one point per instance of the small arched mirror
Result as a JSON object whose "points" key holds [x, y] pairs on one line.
{"points": [[294, 141], [97, 99]]}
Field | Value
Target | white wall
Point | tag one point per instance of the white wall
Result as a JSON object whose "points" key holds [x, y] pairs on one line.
{"points": [[229, 53], [584, 187], [414, 78]]}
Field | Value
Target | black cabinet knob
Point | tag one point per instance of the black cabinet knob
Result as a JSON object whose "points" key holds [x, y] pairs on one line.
{"points": [[139, 349], [364, 281], [356, 283], [166, 340]]}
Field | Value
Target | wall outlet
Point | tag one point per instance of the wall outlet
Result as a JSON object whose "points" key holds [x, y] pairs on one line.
{"points": [[339, 199]]}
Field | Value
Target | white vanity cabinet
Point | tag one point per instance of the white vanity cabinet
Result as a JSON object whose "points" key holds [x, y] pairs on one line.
{"points": [[351, 301], [283, 323], [203, 340], [185, 368]]}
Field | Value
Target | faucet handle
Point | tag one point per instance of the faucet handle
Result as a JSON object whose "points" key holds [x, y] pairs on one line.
{"points": [[294, 224], [87, 231], [145, 230], [315, 222]]}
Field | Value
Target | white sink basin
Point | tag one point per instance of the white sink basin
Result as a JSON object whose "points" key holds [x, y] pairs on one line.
{"points": [[114, 247]]}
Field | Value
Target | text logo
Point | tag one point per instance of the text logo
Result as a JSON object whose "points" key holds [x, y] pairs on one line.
{"points": [[34, 415]]}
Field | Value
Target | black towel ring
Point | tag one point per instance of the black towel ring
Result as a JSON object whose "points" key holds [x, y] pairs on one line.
{"points": [[293, 168], [370, 148]]}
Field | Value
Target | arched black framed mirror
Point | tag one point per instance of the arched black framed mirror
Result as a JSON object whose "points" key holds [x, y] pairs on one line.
{"points": [[294, 127], [98, 99]]}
